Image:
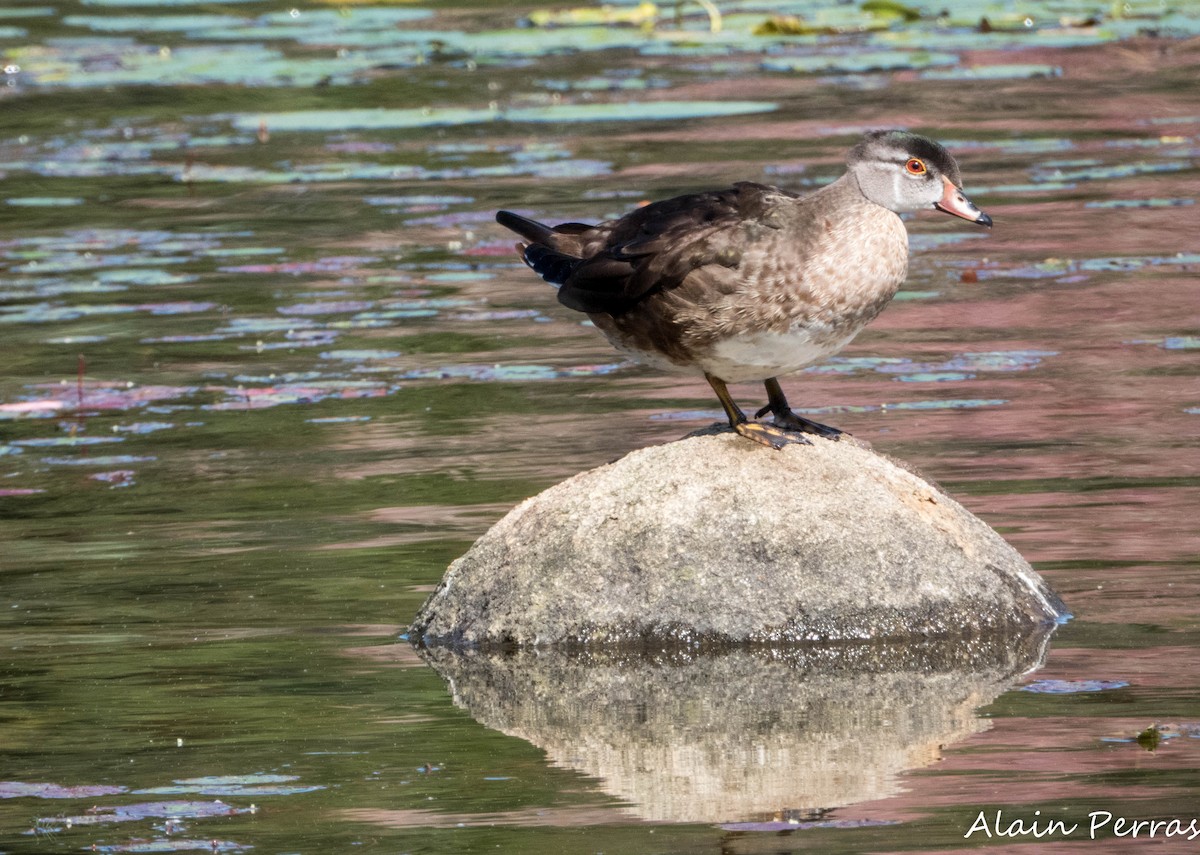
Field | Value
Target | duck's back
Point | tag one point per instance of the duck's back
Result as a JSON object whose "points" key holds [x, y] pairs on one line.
{"points": [[750, 274], [657, 248]]}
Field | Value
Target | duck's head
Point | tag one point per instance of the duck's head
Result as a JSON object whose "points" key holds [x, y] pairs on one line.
{"points": [[907, 172]]}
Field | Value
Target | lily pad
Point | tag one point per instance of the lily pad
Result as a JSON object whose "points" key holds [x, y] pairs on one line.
{"points": [[20, 789], [384, 118], [860, 61], [1014, 71], [172, 844], [44, 201]]}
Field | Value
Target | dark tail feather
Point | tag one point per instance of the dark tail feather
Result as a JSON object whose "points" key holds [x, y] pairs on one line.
{"points": [[561, 237], [532, 231]]}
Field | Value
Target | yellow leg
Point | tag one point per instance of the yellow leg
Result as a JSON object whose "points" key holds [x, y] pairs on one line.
{"points": [[768, 435]]}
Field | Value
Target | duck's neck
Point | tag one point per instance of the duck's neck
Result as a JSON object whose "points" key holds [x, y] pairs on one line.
{"points": [[845, 191]]}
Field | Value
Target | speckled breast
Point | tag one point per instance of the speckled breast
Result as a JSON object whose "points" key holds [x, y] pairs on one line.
{"points": [[773, 315]]}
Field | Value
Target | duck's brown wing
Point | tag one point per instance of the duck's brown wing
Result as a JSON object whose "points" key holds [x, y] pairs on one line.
{"points": [[612, 266]]}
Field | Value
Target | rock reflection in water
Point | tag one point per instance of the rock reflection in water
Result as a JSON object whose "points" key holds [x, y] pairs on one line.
{"points": [[743, 734]]}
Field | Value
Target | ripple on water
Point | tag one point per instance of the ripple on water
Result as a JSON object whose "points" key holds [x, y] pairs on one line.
{"points": [[1072, 687]]}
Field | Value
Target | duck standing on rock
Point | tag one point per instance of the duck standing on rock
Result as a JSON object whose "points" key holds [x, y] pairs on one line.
{"points": [[752, 282]]}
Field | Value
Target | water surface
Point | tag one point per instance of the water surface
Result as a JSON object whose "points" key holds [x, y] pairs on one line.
{"points": [[269, 366]]}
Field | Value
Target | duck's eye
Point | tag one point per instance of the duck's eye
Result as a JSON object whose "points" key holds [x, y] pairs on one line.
{"points": [[916, 166]]}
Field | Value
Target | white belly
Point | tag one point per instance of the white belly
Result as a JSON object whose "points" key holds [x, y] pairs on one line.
{"points": [[757, 356]]}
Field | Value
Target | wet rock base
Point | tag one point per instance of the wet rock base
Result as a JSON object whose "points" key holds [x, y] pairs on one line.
{"points": [[714, 540]]}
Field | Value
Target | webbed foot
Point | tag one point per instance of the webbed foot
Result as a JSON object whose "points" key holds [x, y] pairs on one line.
{"points": [[784, 418], [788, 420], [772, 436]]}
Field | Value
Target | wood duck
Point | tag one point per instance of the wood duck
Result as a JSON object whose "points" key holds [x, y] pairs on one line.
{"points": [[752, 282]]}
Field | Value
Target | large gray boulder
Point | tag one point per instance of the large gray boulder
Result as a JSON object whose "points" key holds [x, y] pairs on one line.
{"points": [[714, 540]]}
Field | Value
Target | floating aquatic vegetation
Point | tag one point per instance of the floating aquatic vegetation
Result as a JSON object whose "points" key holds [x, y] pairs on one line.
{"points": [[382, 118], [1060, 268], [1015, 71], [805, 825], [416, 307], [1072, 687], [360, 147], [186, 338], [859, 61], [1007, 189], [1103, 173], [163, 3], [36, 408], [142, 428], [298, 338], [1140, 203], [961, 367], [967, 37], [1136, 262], [117, 249], [115, 478], [419, 203], [967, 364], [256, 326], [22, 789], [173, 844], [1021, 145], [453, 219], [837, 409], [356, 43], [139, 159], [57, 288], [494, 249], [138, 24], [1150, 738], [330, 264], [460, 276], [67, 441], [44, 313], [346, 19], [102, 460], [359, 355], [171, 810], [146, 277], [234, 785], [611, 83], [253, 398], [326, 308], [241, 251], [499, 315], [947, 404], [602, 16], [114, 61], [91, 396], [29, 12], [852, 364], [43, 201], [508, 373], [1181, 342]]}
